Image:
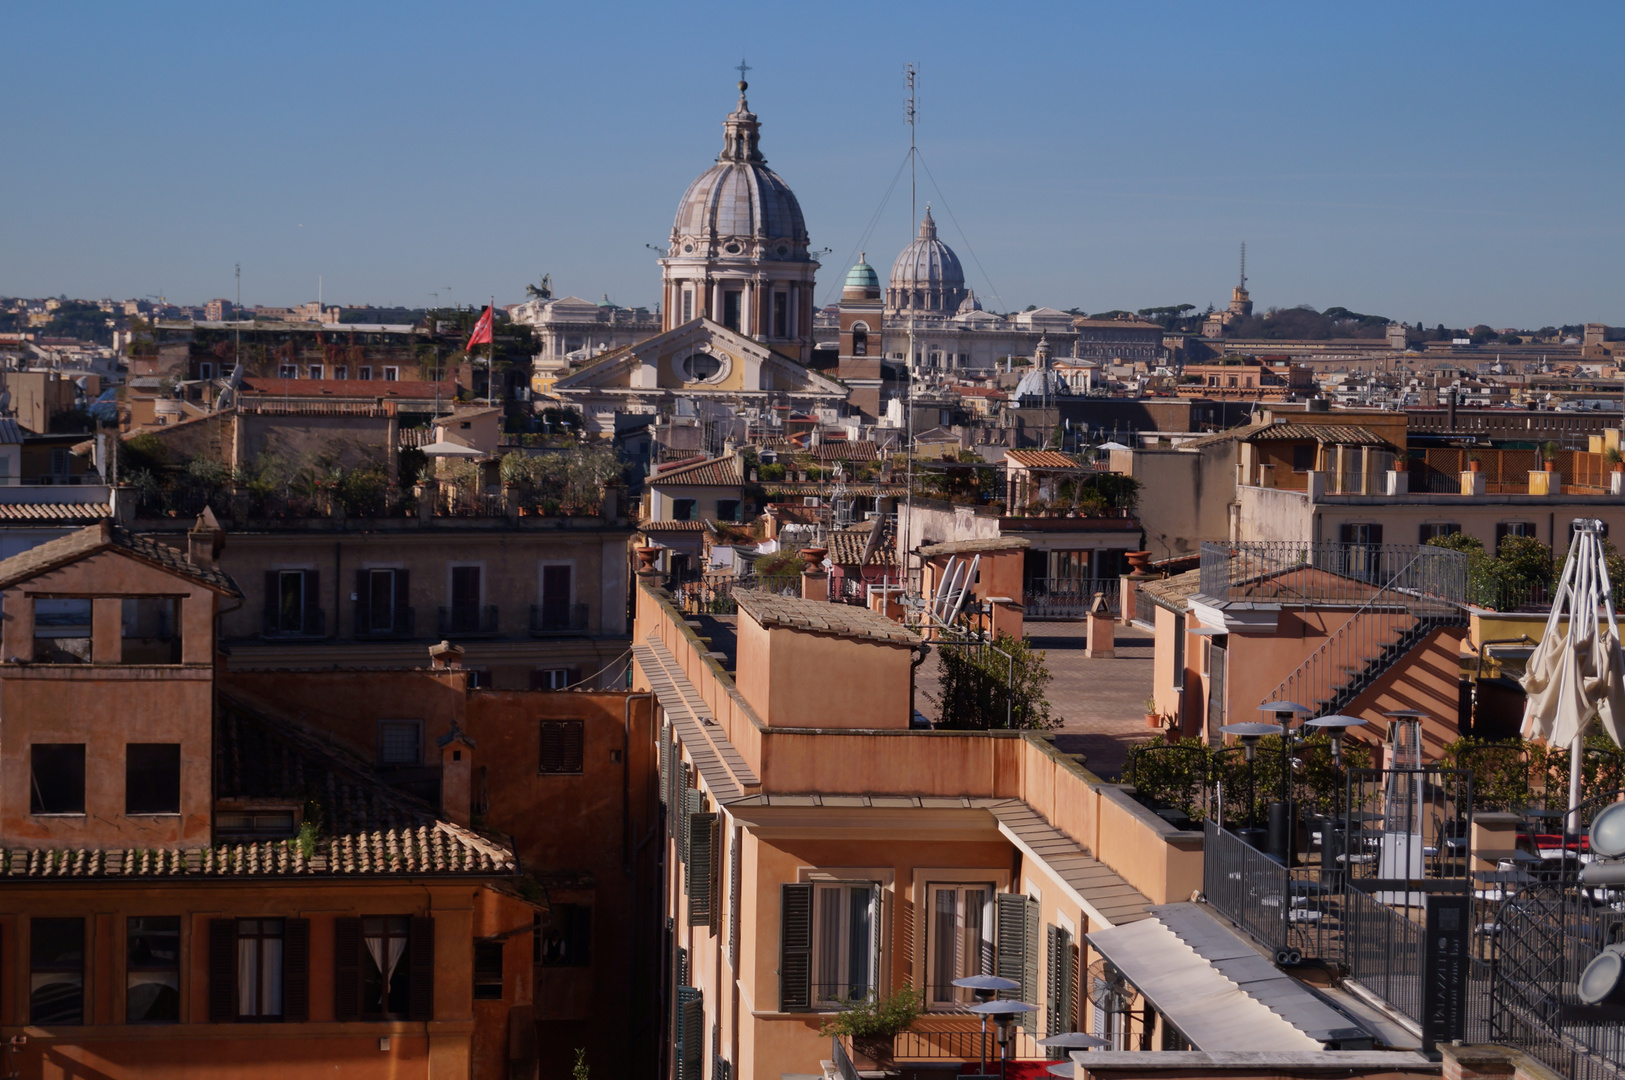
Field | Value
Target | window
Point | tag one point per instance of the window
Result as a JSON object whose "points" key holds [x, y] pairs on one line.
{"points": [[959, 939], [383, 968], [1363, 548], [315, 371], [845, 922], [559, 678], [259, 968], [58, 778], [341, 371], [61, 462], [152, 778], [564, 936], [562, 746], [288, 371], [400, 742], [697, 367], [781, 315], [684, 509], [727, 509], [555, 606], [382, 606], [291, 604], [385, 989], [152, 979], [364, 372], [1505, 529], [488, 971], [1303, 458], [732, 302], [391, 374], [688, 305], [860, 339], [1436, 530], [205, 371], [255, 824], [56, 971]]}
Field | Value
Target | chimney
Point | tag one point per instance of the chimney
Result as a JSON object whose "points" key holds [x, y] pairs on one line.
{"points": [[205, 540], [446, 657], [457, 776], [814, 578]]}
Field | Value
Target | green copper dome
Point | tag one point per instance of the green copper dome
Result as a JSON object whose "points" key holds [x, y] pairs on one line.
{"points": [[862, 276]]}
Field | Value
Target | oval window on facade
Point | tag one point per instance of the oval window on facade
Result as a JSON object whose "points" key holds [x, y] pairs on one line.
{"points": [[697, 367]]}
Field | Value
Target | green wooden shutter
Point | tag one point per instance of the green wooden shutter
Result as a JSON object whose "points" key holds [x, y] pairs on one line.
{"points": [[665, 769], [1017, 943], [690, 1053], [1058, 982], [736, 842], [795, 948], [697, 873], [877, 922]]}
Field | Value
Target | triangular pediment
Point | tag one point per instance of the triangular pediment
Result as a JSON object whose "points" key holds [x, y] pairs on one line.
{"points": [[697, 357]]}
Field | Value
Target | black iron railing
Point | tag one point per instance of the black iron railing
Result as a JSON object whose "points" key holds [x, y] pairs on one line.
{"points": [[401, 622], [472, 619], [1068, 598], [558, 619], [306, 622]]}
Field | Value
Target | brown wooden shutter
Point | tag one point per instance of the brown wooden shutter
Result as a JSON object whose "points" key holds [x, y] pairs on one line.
{"points": [[420, 960], [347, 969], [295, 971], [574, 748], [795, 948], [222, 970], [363, 603], [273, 603], [403, 597]]}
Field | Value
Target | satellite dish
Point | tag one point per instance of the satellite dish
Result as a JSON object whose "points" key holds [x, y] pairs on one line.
{"points": [[1608, 832], [1599, 983]]}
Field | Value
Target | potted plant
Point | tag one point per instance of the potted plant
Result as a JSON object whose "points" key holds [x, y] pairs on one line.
{"points": [[1615, 459], [1153, 719], [1475, 463], [874, 1023], [1548, 456]]}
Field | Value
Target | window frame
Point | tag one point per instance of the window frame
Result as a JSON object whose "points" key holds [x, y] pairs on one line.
{"points": [[133, 966], [957, 997], [314, 371], [396, 982], [36, 969], [842, 953], [489, 984], [417, 740], [392, 373], [574, 927], [129, 810], [36, 801], [259, 934]]}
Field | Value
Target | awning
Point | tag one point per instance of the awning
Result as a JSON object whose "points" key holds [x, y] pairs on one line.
{"points": [[442, 448], [1215, 987]]}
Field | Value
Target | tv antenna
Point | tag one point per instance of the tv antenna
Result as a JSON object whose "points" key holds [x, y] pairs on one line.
{"points": [[1244, 264]]}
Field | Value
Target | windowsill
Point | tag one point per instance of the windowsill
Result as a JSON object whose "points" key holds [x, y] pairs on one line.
{"points": [[561, 772], [153, 813], [79, 814]]}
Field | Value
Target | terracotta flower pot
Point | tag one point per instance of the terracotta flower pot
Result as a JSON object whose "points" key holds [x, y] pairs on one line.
{"points": [[1549, 466], [1152, 720], [1475, 466], [879, 1051], [1139, 561]]}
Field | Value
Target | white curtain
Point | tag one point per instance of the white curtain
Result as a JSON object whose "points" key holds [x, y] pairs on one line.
{"points": [[386, 964]]}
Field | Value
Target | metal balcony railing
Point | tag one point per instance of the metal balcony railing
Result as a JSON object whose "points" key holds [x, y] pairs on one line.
{"points": [[1068, 598], [1332, 572], [467, 621], [399, 623], [561, 619]]}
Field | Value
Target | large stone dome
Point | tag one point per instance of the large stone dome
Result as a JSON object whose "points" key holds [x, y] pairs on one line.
{"points": [[739, 206], [927, 276]]}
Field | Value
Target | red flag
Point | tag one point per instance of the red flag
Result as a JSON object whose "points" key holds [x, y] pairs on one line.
{"points": [[482, 330]]}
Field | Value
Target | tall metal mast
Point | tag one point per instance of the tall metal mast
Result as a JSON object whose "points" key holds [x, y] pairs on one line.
{"points": [[908, 368]]}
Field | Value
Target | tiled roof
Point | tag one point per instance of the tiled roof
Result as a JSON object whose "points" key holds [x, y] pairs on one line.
{"points": [[1341, 434], [11, 431], [105, 536], [1174, 592], [65, 512], [1041, 459], [821, 617], [366, 827], [971, 547], [711, 472], [671, 526], [846, 547], [1218, 438], [847, 451]]}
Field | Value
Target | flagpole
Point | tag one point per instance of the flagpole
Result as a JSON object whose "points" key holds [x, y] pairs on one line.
{"points": [[490, 357]]}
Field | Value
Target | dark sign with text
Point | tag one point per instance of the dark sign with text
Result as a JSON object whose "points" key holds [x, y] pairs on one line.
{"points": [[1444, 968]]}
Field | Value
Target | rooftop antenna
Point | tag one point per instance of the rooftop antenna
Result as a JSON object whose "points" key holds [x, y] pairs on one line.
{"points": [[1244, 264], [237, 348]]}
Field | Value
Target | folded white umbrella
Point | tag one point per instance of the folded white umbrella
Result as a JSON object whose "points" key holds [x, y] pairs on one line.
{"points": [[1575, 676]]}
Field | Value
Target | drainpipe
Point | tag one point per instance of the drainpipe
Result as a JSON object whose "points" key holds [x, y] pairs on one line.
{"points": [[626, 781]]}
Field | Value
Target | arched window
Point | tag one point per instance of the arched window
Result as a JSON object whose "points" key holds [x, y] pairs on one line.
{"points": [[860, 339]]}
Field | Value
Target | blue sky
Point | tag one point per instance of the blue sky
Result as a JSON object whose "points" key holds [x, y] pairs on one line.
{"points": [[1450, 162]]}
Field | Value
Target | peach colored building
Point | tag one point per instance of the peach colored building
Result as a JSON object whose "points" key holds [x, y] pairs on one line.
{"points": [[193, 889]]}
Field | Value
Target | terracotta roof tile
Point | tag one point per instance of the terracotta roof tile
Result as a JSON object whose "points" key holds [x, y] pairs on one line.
{"points": [[1174, 592], [106, 536], [846, 547], [62, 512], [1041, 459], [710, 472]]}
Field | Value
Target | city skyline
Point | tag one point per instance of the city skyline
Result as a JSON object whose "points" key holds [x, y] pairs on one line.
{"points": [[1414, 164]]}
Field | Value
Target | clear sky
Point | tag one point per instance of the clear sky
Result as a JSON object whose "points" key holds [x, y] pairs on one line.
{"points": [[1449, 162]]}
